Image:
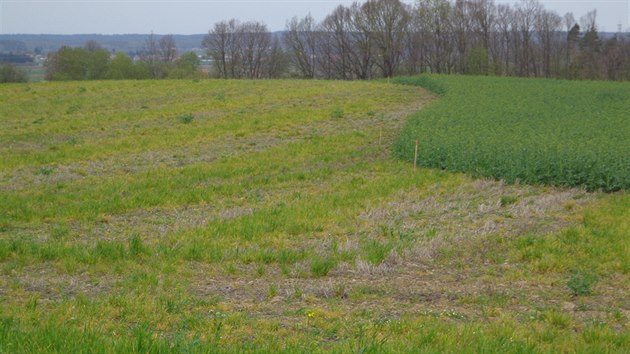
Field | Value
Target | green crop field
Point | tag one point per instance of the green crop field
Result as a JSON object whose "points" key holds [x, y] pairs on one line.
{"points": [[565, 133], [240, 216]]}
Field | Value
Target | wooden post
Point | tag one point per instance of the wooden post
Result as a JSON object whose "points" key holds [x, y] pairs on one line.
{"points": [[415, 156]]}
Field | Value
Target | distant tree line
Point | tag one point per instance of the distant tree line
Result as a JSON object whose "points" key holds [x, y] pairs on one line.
{"points": [[158, 60], [378, 38], [12, 46], [383, 38]]}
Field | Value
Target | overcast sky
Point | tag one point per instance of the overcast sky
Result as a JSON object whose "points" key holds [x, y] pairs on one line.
{"points": [[198, 16]]}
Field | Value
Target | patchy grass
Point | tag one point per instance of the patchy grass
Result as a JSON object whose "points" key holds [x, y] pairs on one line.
{"points": [[277, 220]]}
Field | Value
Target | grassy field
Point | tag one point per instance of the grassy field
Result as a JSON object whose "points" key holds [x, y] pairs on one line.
{"points": [[222, 216], [565, 133]]}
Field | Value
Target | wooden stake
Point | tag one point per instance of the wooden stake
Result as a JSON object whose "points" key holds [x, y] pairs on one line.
{"points": [[415, 156]]}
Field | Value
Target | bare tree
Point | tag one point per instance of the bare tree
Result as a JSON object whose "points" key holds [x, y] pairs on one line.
{"points": [[151, 55], [415, 52], [301, 42], [461, 20], [336, 40], [167, 48], [624, 48], [361, 50], [433, 25], [483, 16], [388, 23], [150, 50], [613, 59], [325, 56], [239, 50], [216, 44], [548, 25], [483, 23], [527, 13], [504, 26], [222, 44], [589, 21], [255, 45]]}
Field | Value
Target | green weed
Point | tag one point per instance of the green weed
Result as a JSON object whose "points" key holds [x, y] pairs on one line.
{"points": [[45, 170], [136, 246], [581, 283], [59, 232], [186, 118], [375, 252], [337, 113], [321, 266], [507, 200]]}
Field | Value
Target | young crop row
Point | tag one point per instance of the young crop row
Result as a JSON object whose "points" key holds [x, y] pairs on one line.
{"points": [[534, 131]]}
